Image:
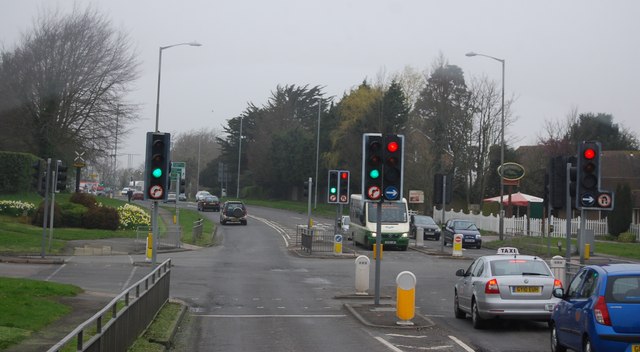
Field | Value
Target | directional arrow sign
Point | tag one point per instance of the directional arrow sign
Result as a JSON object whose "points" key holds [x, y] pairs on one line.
{"points": [[587, 200], [391, 193]]}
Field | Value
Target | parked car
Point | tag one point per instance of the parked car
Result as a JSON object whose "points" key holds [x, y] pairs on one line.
{"points": [[599, 310], [505, 286], [233, 211], [201, 194], [137, 195], [124, 191], [171, 197], [182, 197], [469, 231], [431, 230], [209, 202]]}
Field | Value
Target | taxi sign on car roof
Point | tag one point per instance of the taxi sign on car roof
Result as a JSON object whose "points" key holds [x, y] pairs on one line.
{"points": [[508, 250]]}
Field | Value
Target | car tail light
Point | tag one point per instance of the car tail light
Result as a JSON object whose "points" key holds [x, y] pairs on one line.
{"points": [[601, 312], [491, 287], [557, 284]]}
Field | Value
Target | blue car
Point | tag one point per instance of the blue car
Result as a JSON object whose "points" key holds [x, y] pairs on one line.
{"points": [[600, 310]]}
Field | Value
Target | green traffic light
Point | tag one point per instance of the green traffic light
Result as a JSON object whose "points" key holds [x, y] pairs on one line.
{"points": [[157, 172], [333, 190], [374, 173]]}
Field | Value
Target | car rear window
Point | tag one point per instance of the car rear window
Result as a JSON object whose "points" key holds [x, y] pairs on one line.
{"points": [[519, 266], [623, 289]]}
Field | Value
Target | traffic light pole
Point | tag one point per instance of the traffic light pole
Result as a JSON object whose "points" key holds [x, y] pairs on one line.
{"points": [[45, 209], [378, 251], [444, 200], [568, 208], [154, 233], [54, 181]]}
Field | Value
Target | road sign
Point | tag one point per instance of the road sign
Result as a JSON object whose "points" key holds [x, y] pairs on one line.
{"points": [[343, 198], [391, 193], [156, 192], [587, 200], [333, 198], [374, 193], [604, 200]]}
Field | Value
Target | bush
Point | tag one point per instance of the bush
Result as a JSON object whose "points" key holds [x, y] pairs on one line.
{"points": [[131, 217], [16, 208], [72, 214], [39, 216], [86, 199], [627, 237], [101, 218]]}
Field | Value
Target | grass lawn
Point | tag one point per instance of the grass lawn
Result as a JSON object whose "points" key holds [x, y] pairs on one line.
{"points": [[187, 218], [27, 306]]}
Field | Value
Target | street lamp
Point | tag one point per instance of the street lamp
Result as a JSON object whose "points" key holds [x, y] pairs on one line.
{"points": [[159, 73], [239, 154], [470, 54]]}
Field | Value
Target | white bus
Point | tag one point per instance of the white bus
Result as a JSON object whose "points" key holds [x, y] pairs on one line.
{"points": [[395, 223]]}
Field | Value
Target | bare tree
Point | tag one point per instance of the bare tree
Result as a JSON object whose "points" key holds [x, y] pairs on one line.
{"points": [[65, 83]]}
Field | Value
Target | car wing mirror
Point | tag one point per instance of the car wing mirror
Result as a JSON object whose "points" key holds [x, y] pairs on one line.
{"points": [[558, 293], [460, 272]]}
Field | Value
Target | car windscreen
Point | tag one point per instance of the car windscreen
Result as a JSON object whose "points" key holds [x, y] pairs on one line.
{"points": [[391, 212], [210, 199], [464, 225], [623, 289], [519, 266], [423, 220]]}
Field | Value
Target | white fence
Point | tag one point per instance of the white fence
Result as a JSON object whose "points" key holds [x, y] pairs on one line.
{"points": [[635, 229], [525, 226]]}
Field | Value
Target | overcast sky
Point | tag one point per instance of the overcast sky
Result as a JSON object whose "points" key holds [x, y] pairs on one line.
{"points": [[559, 54]]}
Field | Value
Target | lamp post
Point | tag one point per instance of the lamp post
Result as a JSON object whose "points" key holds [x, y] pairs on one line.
{"points": [[154, 214], [159, 74], [470, 54], [315, 204], [239, 154]]}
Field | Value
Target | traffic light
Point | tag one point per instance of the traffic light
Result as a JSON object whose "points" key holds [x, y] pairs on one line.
{"points": [[332, 194], [305, 191], [393, 154], [588, 175], [157, 165], [37, 179], [61, 176], [182, 187], [558, 181], [573, 181], [372, 153], [343, 187], [440, 180]]}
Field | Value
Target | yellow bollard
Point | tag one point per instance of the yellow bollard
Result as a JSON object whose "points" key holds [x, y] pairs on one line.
{"points": [[149, 246], [174, 219], [587, 251], [375, 253], [406, 297]]}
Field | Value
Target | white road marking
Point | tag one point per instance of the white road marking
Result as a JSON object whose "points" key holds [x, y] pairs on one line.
{"points": [[433, 348], [410, 336], [126, 284], [55, 272], [462, 344], [275, 226], [245, 316], [389, 345]]}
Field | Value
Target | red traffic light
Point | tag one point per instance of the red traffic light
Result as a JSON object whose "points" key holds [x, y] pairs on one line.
{"points": [[344, 175], [589, 153], [392, 147]]}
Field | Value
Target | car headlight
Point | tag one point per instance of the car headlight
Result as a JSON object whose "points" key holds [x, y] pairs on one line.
{"points": [[404, 235], [373, 234], [478, 236]]}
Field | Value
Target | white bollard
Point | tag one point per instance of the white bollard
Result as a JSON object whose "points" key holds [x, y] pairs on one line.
{"points": [[419, 237], [457, 245], [362, 275], [558, 267]]}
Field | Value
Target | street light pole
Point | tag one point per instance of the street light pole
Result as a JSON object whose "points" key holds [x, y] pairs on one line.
{"points": [[159, 76], [154, 214], [315, 205], [239, 153], [502, 61]]}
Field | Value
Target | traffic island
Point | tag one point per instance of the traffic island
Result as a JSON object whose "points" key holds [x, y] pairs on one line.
{"points": [[384, 316]]}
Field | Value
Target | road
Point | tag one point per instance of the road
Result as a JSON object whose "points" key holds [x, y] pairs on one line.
{"points": [[250, 293]]}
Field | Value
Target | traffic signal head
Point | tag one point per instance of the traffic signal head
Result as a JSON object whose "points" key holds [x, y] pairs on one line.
{"points": [[332, 193], [61, 176], [157, 165], [37, 177], [305, 191], [343, 187], [588, 174], [372, 160], [183, 185], [393, 157]]}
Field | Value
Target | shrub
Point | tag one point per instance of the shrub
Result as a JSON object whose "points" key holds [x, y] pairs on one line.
{"points": [[101, 218], [39, 215], [16, 208], [72, 214], [627, 237], [86, 199], [131, 217]]}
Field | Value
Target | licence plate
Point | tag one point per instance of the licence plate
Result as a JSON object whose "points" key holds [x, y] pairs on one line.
{"points": [[635, 348], [469, 240], [389, 242], [526, 289]]}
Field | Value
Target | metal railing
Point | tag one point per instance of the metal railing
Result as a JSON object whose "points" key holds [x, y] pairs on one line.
{"points": [[316, 239], [196, 230], [127, 315]]}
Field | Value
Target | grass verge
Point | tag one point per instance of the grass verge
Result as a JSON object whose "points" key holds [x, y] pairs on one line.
{"points": [[187, 218], [158, 336]]}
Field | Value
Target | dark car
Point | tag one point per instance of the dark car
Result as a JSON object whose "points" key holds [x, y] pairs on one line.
{"points": [[137, 195], [431, 230], [233, 211], [209, 202], [470, 234], [599, 310]]}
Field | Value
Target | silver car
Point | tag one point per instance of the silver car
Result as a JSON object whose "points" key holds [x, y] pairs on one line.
{"points": [[505, 286]]}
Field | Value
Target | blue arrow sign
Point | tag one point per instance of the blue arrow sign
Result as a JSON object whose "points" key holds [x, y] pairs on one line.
{"points": [[587, 200], [391, 193]]}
